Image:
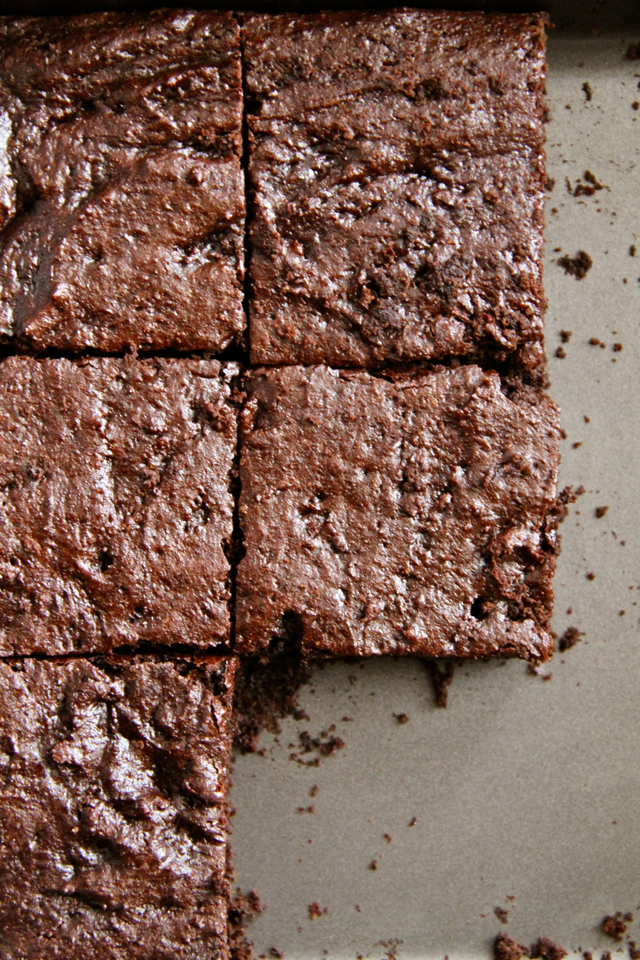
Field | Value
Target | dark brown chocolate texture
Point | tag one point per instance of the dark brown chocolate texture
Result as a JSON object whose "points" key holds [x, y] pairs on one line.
{"points": [[121, 192], [115, 503], [113, 814], [408, 514], [397, 172]]}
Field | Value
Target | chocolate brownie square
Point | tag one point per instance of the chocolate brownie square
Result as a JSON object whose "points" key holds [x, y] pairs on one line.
{"points": [[397, 172], [116, 516], [397, 514], [121, 191], [113, 813]]}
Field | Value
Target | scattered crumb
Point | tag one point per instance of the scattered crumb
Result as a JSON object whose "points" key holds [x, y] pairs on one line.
{"points": [[274, 952], [622, 613], [588, 92], [569, 638], [347, 719], [616, 926], [401, 717], [588, 188], [587, 955], [600, 512], [591, 576], [634, 952], [391, 948], [315, 910], [550, 184], [565, 335], [594, 342], [314, 790], [413, 822], [442, 679], [547, 949], [633, 51], [501, 914], [373, 865], [632, 250], [577, 266], [577, 444], [563, 434], [387, 837], [635, 105], [617, 347], [561, 353], [324, 745], [506, 948], [242, 909], [580, 491]]}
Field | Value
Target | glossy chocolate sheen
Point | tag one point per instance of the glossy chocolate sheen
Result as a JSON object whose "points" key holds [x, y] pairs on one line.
{"points": [[113, 815], [121, 193], [397, 514], [397, 172], [115, 507]]}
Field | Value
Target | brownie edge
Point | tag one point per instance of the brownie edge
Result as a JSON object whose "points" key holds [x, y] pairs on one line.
{"points": [[397, 515]]}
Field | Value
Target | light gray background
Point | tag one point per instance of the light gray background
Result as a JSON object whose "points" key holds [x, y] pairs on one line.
{"points": [[522, 788]]}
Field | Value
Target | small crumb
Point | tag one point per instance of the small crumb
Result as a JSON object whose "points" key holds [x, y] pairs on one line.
{"points": [[315, 910], [616, 926], [577, 444], [561, 353], [632, 250], [580, 491], [547, 676], [401, 718], [594, 342], [634, 952], [547, 949], [635, 105], [347, 719], [274, 952], [563, 434], [412, 822], [622, 613], [506, 948], [570, 609], [501, 914], [565, 335], [600, 512], [591, 576], [577, 266], [550, 184], [587, 419], [587, 955], [357, 908], [373, 865], [314, 790], [605, 956], [588, 92], [569, 638], [617, 347], [387, 837]]}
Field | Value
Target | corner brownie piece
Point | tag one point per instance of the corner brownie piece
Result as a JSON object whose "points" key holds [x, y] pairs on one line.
{"points": [[397, 514], [116, 516], [113, 808], [121, 192], [397, 171]]}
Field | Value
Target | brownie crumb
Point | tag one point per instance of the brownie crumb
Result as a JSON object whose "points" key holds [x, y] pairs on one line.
{"points": [[606, 955], [617, 347], [547, 950], [501, 914], [588, 188], [633, 51], [565, 335], [561, 353], [442, 677], [616, 926], [401, 718], [634, 952], [387, 837], [600, 512], [506, 948], [577, 266], [635, 105], [550, 184], [632, 250], [591, 576], [413, 821], [315, 910], [274, 952], [587, 955], [314, 790], [580, 491], [373, 865], [324, 745], [588, 92], [242, 909], [569, 639]]}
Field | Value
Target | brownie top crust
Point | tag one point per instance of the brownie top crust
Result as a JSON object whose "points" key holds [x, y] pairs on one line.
{"points": [[397, 176], [121, 192], [113, 811], [408, 514], [115, 507]]}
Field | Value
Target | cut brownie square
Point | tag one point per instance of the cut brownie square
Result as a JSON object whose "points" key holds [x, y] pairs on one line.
{"points": [[116, 516], [121, 192], [397, 171], [113, 808], [397, 514]]}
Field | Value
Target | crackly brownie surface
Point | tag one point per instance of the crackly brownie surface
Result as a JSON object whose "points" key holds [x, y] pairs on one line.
{"points": [[121, 193], [113, 818], [115, 508], [413, 514], [397, 170]]}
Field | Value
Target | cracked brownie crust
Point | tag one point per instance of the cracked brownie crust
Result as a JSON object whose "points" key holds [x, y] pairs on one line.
{"points": [[116, 515], [408, 514], [397, 174], [121, 193], [113, 818]]}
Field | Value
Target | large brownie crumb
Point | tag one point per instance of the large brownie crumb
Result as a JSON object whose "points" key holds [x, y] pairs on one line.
{"points": [[414, 514], [121, 192], [397, 170], [115, 508], [113, 808]]}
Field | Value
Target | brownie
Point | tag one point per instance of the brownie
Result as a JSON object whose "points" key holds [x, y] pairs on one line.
{"points": [[397, 176], [396, 514], [121, 191], [113, 808], [116, 516]]}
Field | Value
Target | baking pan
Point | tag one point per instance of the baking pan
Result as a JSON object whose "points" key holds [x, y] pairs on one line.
{"points": [[396, 828]]}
